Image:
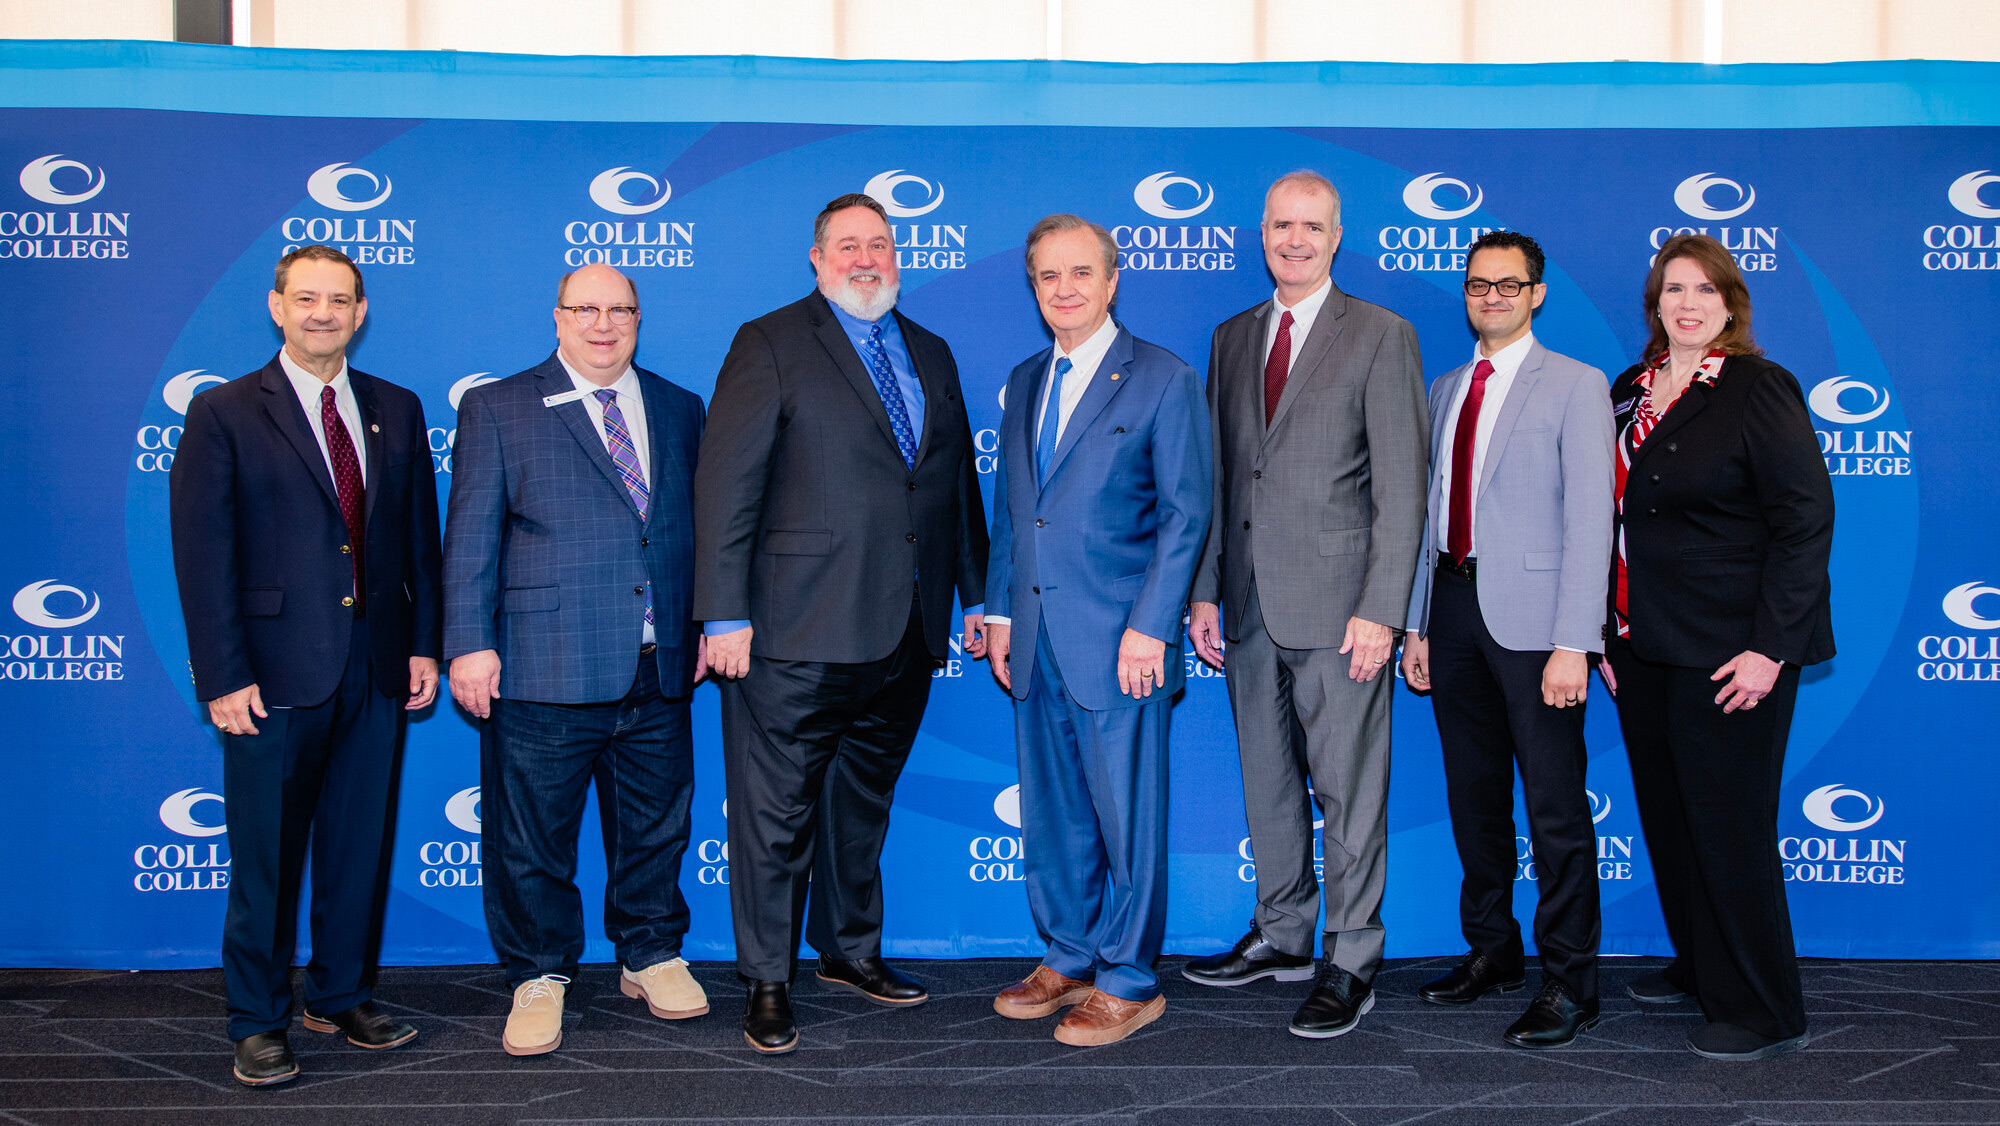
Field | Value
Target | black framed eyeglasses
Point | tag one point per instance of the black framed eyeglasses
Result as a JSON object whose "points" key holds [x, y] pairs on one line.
{"points": [[1478, 287], [586, 315]]}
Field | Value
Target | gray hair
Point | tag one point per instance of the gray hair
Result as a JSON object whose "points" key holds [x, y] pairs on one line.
{"points": [[1067, 222], [1305, 178]]}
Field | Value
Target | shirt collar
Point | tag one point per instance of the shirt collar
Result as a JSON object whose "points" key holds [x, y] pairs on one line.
{"points": [[627, 383], [1308, 307], [857, 328], [305, 383], [1507, 360], [1091, 352]]}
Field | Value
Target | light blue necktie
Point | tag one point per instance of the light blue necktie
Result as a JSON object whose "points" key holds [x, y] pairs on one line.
{"points": [[1045, 442], [892, 396]]}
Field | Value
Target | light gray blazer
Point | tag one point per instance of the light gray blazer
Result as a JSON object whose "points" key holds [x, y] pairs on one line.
{"points": [[1543, 510], [1323, 508]]}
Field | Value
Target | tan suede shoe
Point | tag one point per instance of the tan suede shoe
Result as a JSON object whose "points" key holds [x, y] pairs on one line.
{"points": [[535, 1024], [668, 990], [1042, 993], [1104, 1019]]}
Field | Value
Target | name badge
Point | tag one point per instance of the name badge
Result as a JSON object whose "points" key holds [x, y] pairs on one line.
{"points": [[1624, 407], [559, 400]]}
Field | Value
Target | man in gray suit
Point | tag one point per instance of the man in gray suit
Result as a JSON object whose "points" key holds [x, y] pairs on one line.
{"points": [[1318, 405], [1507, 605]]}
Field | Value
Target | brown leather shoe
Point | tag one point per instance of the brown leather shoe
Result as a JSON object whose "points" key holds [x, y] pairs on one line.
{"points": [[1042, 993], [1104, 1019]]}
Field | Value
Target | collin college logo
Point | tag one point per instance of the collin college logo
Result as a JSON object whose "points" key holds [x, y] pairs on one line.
{"points": [[1614, 853], [1967, 246], [1845, 859], [1845, 402], [195, 864], [919, 246], [997, 859], [1971, 656], [48, 604], [1426, 249], [1710, 198], [157, 443], [714, 855], [444, 439], [1170, 195], [454, 863], [347, 189], [628, 242], [57, 181]]}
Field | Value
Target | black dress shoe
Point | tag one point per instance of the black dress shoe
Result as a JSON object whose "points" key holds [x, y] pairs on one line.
{"points": [[1472, 979], [1657, 988], [1553, 1019], [767, 1020], [366, 1027], [264, 1059], [1719, 1041], [1336, 1004], [1252, 958], [874, 979]]}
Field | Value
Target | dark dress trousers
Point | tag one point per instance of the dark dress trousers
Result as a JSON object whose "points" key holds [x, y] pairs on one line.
{"points": [[844, 560], [266, 575], [1728, 527]]}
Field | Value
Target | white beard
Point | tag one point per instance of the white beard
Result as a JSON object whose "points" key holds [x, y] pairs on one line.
{"points": [[862, 308]]}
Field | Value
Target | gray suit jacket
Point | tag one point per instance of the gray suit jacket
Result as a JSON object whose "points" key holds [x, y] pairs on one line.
{"points": [[1323, 508], [1543, 509]]}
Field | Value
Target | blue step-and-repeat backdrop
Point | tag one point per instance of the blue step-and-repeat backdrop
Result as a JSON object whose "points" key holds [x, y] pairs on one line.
{"points": [[148, 189]]}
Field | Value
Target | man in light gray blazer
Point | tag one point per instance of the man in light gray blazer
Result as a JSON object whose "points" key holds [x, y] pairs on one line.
{"points": [[1507, 605], [1318, 405]]}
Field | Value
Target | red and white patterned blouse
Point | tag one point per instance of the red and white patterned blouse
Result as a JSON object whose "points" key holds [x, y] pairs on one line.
{"points": [[1632, 437]]}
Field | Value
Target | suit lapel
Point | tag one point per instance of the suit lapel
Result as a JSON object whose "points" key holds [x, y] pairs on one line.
{"points": [[1325, 330], [290, 419], [552, 379], [834, 339], [651, 394], [1691, 403], [1511, 407], [371, 438], [1113, 374]]}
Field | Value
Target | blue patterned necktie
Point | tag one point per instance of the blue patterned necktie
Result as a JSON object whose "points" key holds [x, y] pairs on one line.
{"points": [[1045, 441], [892, 396], [626, 456]]}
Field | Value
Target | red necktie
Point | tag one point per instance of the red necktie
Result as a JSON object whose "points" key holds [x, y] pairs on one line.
{"points": [[346, 480], [1274, 367], [1458, 536]]}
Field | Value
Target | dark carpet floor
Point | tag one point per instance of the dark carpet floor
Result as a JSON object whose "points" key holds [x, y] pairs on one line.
{"points": [[1893, 1042]]}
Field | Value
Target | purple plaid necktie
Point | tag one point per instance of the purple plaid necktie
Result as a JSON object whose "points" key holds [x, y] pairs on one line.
{"points": [[619, 441]]}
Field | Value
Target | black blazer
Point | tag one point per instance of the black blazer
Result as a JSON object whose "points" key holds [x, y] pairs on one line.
{"points": [[807, 522], [1728, 523], [258, 541]]}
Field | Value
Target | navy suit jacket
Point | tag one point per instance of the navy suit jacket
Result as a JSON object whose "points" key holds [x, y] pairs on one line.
{"points": [[1111, 541], [261, 551], [546, 560]]}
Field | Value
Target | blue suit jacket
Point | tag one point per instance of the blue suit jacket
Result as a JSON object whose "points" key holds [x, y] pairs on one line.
{"points": [[545, 557], [1111, 541], [260, 549]]}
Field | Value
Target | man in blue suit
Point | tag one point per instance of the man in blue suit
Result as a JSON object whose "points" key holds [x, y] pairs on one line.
{"points": [[1101, 508], [305, 546], [568, 581]]}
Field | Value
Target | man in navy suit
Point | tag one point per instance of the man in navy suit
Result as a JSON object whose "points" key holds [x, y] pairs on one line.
{"points": [[568, 579], [1101, 508], [305, 545]]}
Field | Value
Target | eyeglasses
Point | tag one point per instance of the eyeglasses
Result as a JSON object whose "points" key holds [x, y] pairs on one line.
{"points": [[1477, 287], [586, 315]]}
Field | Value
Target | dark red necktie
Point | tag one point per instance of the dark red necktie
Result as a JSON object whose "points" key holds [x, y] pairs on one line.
{"points": [[1274, 367], [1458, 536], [346, 480]]}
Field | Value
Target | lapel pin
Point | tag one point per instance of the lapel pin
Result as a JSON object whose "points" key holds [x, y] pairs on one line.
{"points": [[1114, 375], [374, 428]]}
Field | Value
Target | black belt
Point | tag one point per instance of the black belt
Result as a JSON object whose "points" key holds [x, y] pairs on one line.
{"points": [[1467, 569]]}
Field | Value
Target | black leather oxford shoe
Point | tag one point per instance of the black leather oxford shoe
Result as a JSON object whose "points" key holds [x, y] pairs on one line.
{"points": [[366, 1027], [264, 1059], [1553, 1019], [1719, 1041], [1473, 978], [1657, 988], [874, 979], [1252, 958], [1336, 1004], [767, 1019]]}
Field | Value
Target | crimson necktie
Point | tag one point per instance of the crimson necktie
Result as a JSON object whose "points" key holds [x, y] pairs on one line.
{"points": [[346, 482], [1274, 367], [1458, 536]]}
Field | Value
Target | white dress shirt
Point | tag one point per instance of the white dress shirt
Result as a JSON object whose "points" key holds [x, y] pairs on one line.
{"points": [[1303, 315], [307, 387], [632, 409], [1505, 363]]}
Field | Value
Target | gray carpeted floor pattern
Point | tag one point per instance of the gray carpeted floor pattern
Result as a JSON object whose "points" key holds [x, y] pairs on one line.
{"points": [[1893, 1042]]}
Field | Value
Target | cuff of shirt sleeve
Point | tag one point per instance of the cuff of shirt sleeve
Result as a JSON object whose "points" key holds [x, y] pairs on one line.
{"points": [[999, 620], [710, 629]]}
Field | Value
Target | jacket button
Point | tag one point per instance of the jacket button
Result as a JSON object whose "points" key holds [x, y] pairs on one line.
{"points": [[1040, 523], [346, 550], [638, 590], [1652, 512], [910, 537], [1655, 478], [347, 602], [1036, 589], [1672, 446], [1246, 525], [1258, 474], [644, 542], [913, 486]]}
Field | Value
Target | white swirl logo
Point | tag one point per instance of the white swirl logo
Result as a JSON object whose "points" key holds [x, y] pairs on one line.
{"points": [[462, 809], [31, 602], [1420, 196], [476, 379], [1825, 401], [181, 389], [38, 179], [607, 190], [1692, 196], [1957, 605], [883, 189], [1007, 807], [1151, 195], [177, 813], [1600, 805], [325, 186], [1964, 193], [1818, 808]]}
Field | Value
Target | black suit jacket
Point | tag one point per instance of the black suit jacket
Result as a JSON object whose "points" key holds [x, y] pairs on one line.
{"points": [[1728, 523], [258, 541], [807, 522]]}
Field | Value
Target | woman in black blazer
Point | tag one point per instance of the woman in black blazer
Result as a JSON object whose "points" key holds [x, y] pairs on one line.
{"points": [[1719, 594]]}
